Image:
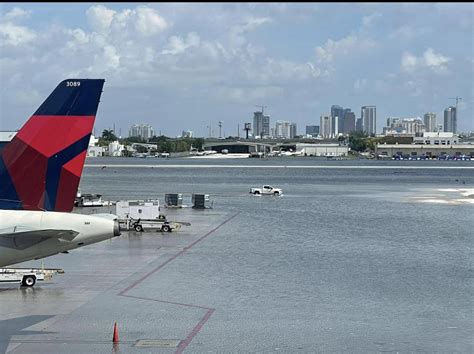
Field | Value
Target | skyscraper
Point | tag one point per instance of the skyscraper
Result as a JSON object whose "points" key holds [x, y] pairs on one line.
{"points": [[369, 119], [349, 123], [430, 122], [337, 114], [285, 129], [257, 123], [325, 127], [359, 127], [266, 125], [450, 119], [292, 130], [261, 124]]}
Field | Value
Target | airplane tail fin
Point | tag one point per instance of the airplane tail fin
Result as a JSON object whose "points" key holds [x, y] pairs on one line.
{"points": [[41, 167]]}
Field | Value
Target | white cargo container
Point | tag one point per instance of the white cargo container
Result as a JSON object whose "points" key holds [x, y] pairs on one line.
{"points": [[138, 209]]}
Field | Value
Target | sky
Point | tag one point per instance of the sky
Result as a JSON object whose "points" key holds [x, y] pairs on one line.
{"points": [[187, 66]]}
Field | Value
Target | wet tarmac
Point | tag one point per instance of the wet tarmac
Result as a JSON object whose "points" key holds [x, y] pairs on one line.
{"points": [[119, 280]]}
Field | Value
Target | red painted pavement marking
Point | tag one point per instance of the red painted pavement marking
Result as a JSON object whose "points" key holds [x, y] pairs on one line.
{"points": [[184, 343], [176, 255], [168, 302]]}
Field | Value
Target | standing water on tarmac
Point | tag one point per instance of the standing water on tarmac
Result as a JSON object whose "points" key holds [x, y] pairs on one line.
{"points": [[356, 255]]}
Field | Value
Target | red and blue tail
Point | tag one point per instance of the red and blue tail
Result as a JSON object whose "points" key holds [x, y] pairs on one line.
{"points": [[41, 167]]}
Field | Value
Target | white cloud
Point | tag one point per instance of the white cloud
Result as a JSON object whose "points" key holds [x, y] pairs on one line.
{"points": [[149, 22], [409, 62], [350, 44], [434, 60], [283, 71], [236, 37], [251, 24], [79, 38], [17, 13], [177, 45], [144, 20], [100, 17], [429, 59], [16, 35]]}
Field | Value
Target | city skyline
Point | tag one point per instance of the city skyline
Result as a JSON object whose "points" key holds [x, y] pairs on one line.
{"points": [[186, 66]]}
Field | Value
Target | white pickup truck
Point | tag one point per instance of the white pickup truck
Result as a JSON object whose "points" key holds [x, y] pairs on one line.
{"points": [[266, 190]]}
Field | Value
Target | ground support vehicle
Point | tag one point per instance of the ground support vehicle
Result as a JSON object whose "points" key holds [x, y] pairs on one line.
{"points": [[27, 276], [140, 225]]}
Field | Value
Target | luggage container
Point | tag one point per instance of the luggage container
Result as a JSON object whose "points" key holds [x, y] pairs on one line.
{"points": [[201, 201], [174, 200]]}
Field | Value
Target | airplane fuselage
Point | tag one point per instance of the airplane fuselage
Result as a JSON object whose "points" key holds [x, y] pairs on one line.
{"points": [[90, 229]]}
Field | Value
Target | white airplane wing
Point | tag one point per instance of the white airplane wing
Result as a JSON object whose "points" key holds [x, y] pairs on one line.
{"points": [[21, 240]]}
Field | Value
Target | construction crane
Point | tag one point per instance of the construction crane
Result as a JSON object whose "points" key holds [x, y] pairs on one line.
{"points": [[262, 107], [457, 99]]}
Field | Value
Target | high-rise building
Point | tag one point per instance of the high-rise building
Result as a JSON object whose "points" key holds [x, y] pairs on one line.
{"points": [[261, 124], [144, 131], [359, 127], [285, 129], [293, 130], [369, 119], [430, 122], [349, 122], [257, 124], [266, 125], [413, 126], [337, 115], [450, 120], [325, 127], [312, 130]]}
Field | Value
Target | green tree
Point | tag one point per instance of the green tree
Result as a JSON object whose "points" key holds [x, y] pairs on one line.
{"points": [[141, 149], [135, 139], [198, 143], [156, 139], [109, 135], [357, 141], [372, 141]]}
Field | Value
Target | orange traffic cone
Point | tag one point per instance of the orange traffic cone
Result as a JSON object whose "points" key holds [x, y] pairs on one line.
{"points": [[115, 339]]}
